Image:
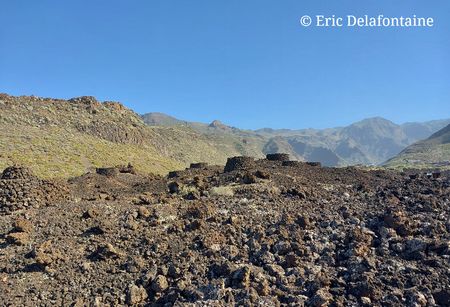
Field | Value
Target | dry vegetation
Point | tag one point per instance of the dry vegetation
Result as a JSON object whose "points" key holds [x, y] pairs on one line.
{"points": [[63, 138]]}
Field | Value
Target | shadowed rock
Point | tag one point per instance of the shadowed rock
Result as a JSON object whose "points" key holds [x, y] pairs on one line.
{"points": [[17, 172], [277, 157], [318, 164], [238, 163], [292, 163], [107, 171], [198, 165]]}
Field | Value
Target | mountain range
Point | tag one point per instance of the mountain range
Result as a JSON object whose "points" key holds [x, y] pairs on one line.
{"points": [[431, 152], [63, 138], [371, 141]]}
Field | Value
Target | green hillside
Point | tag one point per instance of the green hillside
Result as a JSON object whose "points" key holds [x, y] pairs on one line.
{"points": [[62, 138], [429, 153]]}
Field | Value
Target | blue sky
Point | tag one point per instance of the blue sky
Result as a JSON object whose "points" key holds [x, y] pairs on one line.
{"points": [[248, 63]]}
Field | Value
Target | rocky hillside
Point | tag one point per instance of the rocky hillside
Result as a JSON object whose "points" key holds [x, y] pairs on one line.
{"points": [[227, 139], [370, 141], [429, 153], [160, 119], [61, 138]]}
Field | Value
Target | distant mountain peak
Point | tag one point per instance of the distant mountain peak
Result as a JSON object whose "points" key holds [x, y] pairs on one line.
{"points": [[218, 124], [160, 119], [377, 120]]}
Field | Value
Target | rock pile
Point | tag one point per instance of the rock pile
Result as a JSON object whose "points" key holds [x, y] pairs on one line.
{"points": [[277, 157], [318, 164], [239, 163], [20, 189], [198, 165], [16, 172], [107, 171], [87, 101], [114, 171], [293, 163], [262, 234]]}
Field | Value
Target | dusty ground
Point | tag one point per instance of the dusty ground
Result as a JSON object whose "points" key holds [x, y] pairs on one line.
{"points": [[261, 234]]}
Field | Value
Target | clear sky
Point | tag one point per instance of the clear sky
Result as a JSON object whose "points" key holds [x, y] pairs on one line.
{"points": [[248, 63]]}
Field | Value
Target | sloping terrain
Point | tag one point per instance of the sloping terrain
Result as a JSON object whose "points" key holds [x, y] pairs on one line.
{"points": [[62, 138], [261, 233], [432, 152], [370, 141], [160, 119], [228, 140]]}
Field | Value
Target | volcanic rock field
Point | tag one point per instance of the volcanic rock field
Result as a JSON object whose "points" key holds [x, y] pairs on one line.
{"points": [[268, 232]]}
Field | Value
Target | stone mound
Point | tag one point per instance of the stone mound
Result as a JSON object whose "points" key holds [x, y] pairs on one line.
{"points": [[107, 171], [114, 171], [239, 163], [85, 100], [16, 172], [128, 169], [20, 189], [293, 163], [277, 157], [174, 174], [318, 164], [198, 165]]}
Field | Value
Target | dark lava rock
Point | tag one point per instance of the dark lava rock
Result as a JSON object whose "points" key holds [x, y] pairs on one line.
{"points": [[315, 164], [442, 297], [239, 163], [174, 187], [17, 172], [128, 169], [20, 189], [309, 236], [198, 165], [293, 163], [160, 284], [249, 178], [277, 157], [107, 171]]}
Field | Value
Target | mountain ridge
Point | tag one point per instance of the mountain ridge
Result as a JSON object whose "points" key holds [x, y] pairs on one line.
{"points": [[63, 138], [369, 141], [431, 152]]}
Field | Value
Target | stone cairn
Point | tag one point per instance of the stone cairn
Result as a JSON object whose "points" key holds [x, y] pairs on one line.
{"points": [[293, 163], [277, 157], [198, 165], [315, 164], [239, 163], [20, 189], [114, 171], [107, 171]]}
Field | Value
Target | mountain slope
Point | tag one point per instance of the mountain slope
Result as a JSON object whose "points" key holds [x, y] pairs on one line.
{"points": [[370, 141], [160, 119], [62, 138], [377, 138], [421, 131], [228, 140], [432, 152]]}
